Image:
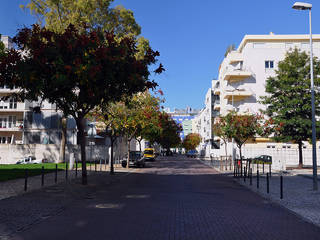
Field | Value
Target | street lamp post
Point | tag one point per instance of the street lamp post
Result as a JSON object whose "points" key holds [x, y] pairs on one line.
{"points": [[308, 6]]}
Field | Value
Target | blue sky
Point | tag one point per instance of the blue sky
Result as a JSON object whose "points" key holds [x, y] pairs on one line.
{"points": [[192, 36]]}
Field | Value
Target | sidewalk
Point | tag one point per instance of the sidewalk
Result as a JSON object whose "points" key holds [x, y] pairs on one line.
{"points": [[40, 203], [298, 195], [16, 187]]}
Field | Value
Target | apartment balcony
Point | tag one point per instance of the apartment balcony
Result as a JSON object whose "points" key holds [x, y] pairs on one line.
{"points": [[237, 75], [235, 57], [18, 127], [216, 106], [237, 94], [12, 107], [216, 91]]}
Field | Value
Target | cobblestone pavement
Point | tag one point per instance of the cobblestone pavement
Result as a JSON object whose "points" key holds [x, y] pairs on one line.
{"points": [[174, 198], [298, 195]]}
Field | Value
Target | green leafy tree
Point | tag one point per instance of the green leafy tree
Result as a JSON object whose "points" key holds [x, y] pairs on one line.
{"points": [[244, 127], [289, 99], [108, 120], [191, 141], [75, 70], [170, 132], [148, 114], [221, 128]]}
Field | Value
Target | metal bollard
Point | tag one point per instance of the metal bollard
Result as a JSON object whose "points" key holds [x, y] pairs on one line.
{"points": [[42, 176], [263, 168], [267, 182], [25, 180], [76, 168], [95, 165], [250, 176], [281, 187], [56, 174], [270, 170], [66, 171], [258, 178], [244, 175]]}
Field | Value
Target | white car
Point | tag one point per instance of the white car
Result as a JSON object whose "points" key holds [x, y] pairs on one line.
{"points": [[29, 160]]}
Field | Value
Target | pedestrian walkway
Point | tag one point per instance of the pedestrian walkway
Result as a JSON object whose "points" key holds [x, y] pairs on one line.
{"points": [[17, 186], [298, 195]]}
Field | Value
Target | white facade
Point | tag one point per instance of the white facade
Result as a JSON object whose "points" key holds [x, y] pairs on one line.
{"points": [[243, 73], [242, 79], [20, 125], [202, 123]]}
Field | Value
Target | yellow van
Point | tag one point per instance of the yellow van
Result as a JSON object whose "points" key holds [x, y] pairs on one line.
{"points": [[149, 154]]}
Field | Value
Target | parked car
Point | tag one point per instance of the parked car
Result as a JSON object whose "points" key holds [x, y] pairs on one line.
{"points": [[136, 159], [262, 159], [149, 154], [192, 153], [29, 160], [169, 153]]}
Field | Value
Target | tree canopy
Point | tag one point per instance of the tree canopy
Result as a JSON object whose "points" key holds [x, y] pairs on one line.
{"points": [[289, 99], [75, 70], [57, 15], [170, 132], [191, 141]]}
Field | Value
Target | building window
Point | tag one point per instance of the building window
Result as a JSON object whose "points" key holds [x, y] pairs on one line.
{"points": [[268, 64], [12, 103]]}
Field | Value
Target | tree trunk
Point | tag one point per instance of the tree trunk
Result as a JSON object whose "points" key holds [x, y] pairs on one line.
{"points": [[62, 155], [240, 152], [300, 155], [82, 139], [225, 148], [139, 144], [111, 157], [128, 159]]}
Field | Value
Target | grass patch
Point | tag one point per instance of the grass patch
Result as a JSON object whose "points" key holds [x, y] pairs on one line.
{"points": [[14, 171]]}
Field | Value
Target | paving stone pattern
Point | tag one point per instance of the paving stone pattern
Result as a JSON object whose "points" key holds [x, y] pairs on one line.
{"points": [[173, 198]]}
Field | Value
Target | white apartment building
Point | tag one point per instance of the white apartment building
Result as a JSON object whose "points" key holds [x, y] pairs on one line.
{"points": [[202, 123], [20, 125], [243, 74]]}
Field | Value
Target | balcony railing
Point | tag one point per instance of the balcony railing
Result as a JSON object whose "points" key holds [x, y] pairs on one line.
{"points": [[236, 75], [11, 107], [237, 95], [13, 127]]}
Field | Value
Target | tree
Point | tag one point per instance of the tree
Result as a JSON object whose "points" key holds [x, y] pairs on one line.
{"points": [[109, 118], [148, 116], [244, 127], [191, 141], [57, 15], [75, 70], [169, 134], [289, 99], [221, 129]]}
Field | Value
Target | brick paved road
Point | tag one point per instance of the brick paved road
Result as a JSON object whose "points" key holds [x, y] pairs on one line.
{"points": [[176, 198]]}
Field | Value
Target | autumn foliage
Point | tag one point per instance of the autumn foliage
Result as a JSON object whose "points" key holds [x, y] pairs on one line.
{"points": [[191, 141]]}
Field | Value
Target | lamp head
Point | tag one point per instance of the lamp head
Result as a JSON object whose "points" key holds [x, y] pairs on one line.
{"points": [[302, 6]]}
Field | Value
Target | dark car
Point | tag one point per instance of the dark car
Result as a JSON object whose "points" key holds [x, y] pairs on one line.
{"points": [[192, 153], [136, 159], [262, 159]]}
